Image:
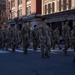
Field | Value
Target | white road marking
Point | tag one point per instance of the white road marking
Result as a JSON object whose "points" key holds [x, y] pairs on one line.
{"points": [[1, 51], [20, 50]]}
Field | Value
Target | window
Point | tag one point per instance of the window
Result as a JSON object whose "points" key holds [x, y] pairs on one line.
{"points": [[13, 3], [45, 9], [28, 10], [53, 5], [64, 4], [13, 14], [20, 13], [28, 0], [49, 8], [19, 2], [61, 5], [57, 5], [69, 4]]}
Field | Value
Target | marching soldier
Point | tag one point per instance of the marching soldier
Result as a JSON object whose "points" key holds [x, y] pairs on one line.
{"points": [[5, 37], [44, 38], [56, 38], [25, 37], [13, 34], [66, 37], [35, 37], [0, 37], [73, 38], [73, 41], [19, 37], [51, 31]]}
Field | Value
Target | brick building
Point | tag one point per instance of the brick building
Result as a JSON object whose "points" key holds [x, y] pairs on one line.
{"points": [[2, 11], [25, 9], [57, 11], [19, 8]]}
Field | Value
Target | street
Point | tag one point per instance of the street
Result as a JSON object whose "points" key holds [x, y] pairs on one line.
{"points": [[16, 63]]}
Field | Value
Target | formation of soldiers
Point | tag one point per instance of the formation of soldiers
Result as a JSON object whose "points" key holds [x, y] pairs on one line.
{"points": [[42, 36]]}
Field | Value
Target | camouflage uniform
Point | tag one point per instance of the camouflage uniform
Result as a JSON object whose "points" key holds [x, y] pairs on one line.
{"points": [[9, 38], [35, 38], [5, 38], [19, 37], [25, 37], [73, 41], [13, 34], [44, 38], [0, 37], [73, 38], [56, 38], [51, 33], [66, 37]]}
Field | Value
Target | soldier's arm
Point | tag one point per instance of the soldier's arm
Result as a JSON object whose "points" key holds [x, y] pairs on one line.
{"points": [[41, 32]]}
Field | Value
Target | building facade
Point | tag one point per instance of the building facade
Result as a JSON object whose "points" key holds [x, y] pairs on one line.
{"points": [[57, 11], [19, 8], [2, 11], [29, 10]]}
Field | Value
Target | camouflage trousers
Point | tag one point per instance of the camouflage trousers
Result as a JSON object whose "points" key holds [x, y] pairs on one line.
{"points": [[0, 43], [35, 44], [43, 45], [56, 41], [73, 44], [5, 44], [13, 46], [25, 47], [66, 45]]}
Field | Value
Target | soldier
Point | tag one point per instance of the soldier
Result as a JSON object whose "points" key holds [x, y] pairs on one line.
{"points": [[56, 38], [0, 37], [73, 38], [66, 37], [19, 37], [73, 41], [25, 37], [51, 33], [44, 38], [13, 34], [35, 37], [5, 37], [9, 37]]}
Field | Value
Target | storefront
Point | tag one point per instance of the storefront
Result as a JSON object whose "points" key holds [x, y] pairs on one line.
{"points": [[57, 19]]}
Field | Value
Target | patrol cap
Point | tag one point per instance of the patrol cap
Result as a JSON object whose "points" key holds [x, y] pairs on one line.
{"points": [[44, 18], [0, 27], [74, 26], [5, 26], [12, 25], [66, 21], [34, 25], [25, 21]]}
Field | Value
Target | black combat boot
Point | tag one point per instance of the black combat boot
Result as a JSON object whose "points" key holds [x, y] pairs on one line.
{"points": [[74, 60], [46, 54]]}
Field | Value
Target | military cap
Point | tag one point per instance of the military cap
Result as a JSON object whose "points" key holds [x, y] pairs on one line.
{"points": [[44, 18]]}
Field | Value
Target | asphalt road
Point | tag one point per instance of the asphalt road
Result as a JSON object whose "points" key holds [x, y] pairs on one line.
{"points": [[32, 64]]}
